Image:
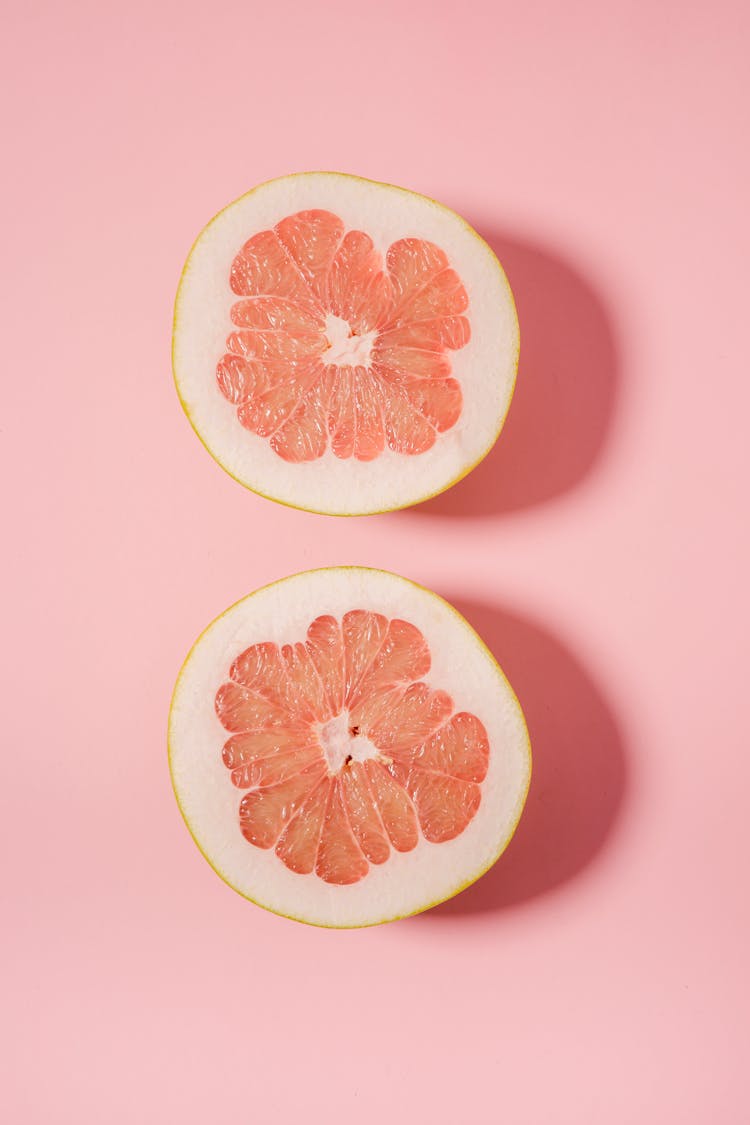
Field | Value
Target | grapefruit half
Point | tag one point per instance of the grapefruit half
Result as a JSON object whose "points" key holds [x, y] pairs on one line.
{"points": [[344, 346], [345, 750]]}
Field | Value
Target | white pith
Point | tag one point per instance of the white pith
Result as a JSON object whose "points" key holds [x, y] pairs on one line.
{"points": [[461, 665], [346, 348], [485, 367], [340, 745]]}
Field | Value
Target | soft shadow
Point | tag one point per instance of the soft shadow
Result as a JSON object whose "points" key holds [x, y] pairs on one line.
{"points": [[579, 771], [564, 400]]}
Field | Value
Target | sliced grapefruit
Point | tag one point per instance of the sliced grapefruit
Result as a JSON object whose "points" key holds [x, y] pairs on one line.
{"points": [[344, 346], [345, 750]]}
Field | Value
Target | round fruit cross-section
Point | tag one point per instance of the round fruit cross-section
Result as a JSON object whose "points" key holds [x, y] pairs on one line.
{"points": [[342, 345], [344, 748]]}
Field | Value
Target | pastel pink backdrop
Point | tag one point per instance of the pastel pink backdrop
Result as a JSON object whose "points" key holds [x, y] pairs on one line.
{"points": [[599, 973]]}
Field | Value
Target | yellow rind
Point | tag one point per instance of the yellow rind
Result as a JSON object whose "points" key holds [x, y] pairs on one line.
{"points": [[396, 917], [369, 511]]}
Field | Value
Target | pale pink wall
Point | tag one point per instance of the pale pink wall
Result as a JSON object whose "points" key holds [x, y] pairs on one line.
{"points": [[599, 974]]}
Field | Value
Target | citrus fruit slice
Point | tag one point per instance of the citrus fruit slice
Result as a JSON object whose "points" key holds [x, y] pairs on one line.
{"points": [[344, 748], [344, 346]]}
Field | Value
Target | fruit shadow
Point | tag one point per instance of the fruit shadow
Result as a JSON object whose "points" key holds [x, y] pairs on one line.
{"points": [[579, 774], [565, 396]]}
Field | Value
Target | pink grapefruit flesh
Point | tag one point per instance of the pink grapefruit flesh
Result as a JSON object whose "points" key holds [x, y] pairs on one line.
{"points": [[334, 347], [344, 751]]}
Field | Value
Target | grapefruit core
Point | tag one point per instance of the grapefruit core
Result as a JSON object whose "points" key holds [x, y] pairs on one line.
{"points": [[345, 750], [344, 346]]}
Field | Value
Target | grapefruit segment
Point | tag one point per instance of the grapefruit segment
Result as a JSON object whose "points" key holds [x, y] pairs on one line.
{"points": [[426, 335], [441, 296], [363, 633], [340, 859], [370, 436], [406, 721], [279, 314], [238, 378], [259, 668], [262, 669], [265, 811], [260, 758], [342, 419], [438, 401], [370, 709], [263, 268], [258, 772], [445, 805], [275, 345], [460, 749], [398, 363], [406, 429], [424, 284], [395, 808], [239, 709], [326, 646], [413, 263], [358, 289], [363, 813], [311, 238], [350, 754], [402, 656], [300, 840], [268, 407], [303, 437], [309, 694]]}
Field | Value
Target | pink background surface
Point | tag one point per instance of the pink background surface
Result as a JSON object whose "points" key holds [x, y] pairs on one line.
{"points": [[599, 972]]}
